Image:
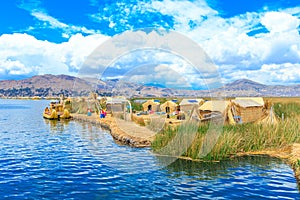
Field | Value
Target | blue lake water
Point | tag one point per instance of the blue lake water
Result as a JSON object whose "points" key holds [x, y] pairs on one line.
{"points": [[42, 159]]}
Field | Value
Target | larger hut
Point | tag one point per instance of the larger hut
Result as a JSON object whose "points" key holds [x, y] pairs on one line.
{"points": [[187, 105], [248, 109], [151, 105], [168, 107]]}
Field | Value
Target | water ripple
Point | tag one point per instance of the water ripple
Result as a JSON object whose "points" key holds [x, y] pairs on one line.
{"points": [[40, 159]]}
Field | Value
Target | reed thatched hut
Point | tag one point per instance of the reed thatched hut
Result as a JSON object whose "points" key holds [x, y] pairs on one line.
{"points": [[151, 105], [248, 109], [168, 107], [187, 105]]}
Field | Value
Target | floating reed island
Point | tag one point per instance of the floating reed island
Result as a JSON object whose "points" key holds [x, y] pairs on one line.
{"points": [[249, 126]]}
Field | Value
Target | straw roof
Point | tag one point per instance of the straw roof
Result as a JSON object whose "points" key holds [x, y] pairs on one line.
{"points": [[216, 105], [258, 100], [111, 100], [190, 101], [246, 103]]}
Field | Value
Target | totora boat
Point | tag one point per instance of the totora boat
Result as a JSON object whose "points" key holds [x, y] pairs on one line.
{"points": [[56, 111]]}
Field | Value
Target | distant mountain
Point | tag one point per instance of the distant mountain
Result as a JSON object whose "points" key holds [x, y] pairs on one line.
{"points": [[246, 87], [54, 85], [45, 86], [244, 83]]}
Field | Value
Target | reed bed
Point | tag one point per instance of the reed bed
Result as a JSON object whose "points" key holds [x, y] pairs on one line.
{"points": [[240, 138]]}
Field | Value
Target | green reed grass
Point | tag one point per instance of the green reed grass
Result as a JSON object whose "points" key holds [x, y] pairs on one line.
{"points": [[288, 109], [239, 138]]}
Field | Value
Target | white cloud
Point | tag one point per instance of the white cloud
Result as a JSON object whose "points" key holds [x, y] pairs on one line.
{"points": [[162, 74], [15, 67], [24, 54], [237, 53], [272, 74], [184, 12], [277, 22], [46, 18], [68, 30]]}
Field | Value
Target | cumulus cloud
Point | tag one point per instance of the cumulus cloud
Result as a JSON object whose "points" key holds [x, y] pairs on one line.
{"points": [[277, 22], [272, 49], [162, 75], [228, 43], [15, 67], [287, 73], [24, 54]]}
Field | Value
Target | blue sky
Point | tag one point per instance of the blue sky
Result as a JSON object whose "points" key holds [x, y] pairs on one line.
{"points": [[257, 39]]}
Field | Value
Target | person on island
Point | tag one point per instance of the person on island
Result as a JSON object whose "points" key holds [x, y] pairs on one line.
{"points": [[89, 112], [102, 114], [47, 111]]}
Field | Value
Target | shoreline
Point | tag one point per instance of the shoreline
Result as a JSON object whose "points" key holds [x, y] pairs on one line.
{"points": [[116, 132], [290, 154]]}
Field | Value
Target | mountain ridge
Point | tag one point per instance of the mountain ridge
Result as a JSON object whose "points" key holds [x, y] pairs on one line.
{"points": [[54, 85]]}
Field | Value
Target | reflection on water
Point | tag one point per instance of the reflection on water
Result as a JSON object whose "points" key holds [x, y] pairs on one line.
{"points": [[57, 126]]}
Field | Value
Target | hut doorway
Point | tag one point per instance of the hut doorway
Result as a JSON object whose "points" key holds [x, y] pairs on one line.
{"points": [[167, 109], [149, 107]]}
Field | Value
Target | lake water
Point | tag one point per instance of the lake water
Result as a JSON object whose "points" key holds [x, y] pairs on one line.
{"points": [[42, 159]]}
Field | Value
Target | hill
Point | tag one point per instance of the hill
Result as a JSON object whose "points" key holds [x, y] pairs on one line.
{"points": [[53, 85], [246, 87], [44, 86]]}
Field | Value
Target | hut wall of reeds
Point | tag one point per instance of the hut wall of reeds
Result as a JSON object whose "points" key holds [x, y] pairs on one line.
{"points": [[168, 107], [115, 105]]}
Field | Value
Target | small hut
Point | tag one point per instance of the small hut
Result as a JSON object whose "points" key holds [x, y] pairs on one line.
{"points": [[248, 109], [168, 107], [151, 105], [115, 105], [187, 105]]}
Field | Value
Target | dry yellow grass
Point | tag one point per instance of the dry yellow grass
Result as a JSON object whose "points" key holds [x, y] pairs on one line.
{"points": [[283, 99]]}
